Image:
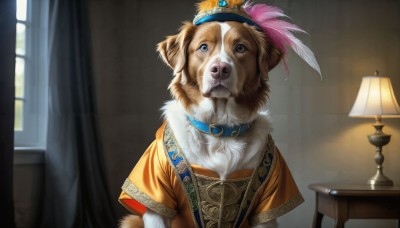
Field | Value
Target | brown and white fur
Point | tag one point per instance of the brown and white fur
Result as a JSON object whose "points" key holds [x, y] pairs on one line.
{"points": [[220, 76]]}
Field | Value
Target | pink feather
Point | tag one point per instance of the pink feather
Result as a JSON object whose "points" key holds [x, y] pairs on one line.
{"points": [[280, 32]]}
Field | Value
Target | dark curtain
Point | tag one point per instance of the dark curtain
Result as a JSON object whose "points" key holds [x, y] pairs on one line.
{"points": [[7, 69], [76, 193]]}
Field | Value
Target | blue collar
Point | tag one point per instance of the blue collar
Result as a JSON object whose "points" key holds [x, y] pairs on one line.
{"points": [[219, 130]]}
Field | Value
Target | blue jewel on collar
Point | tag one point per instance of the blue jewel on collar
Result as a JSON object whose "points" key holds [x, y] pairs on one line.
{"points": [[222, 3]]}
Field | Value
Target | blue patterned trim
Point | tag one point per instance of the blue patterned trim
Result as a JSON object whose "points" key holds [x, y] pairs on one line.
{"points": [[258, 181], [184, 173]]}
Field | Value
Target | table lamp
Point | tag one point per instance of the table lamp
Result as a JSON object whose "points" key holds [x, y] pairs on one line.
{"points": [[376, 99]]}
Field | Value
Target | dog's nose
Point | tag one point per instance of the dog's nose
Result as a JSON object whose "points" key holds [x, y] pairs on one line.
{"points": [[220, 70]]}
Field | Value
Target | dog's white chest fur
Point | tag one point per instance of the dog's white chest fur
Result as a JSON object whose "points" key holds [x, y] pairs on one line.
{"points": [[223, 155]]}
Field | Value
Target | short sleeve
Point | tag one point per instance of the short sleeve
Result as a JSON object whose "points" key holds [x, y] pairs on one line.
{"points": [[149, 185], [279, 196]]}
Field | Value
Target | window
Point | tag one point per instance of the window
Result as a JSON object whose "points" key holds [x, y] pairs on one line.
{"points": [[31, 73], [20, 52]]}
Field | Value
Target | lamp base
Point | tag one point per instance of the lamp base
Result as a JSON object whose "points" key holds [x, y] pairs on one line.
{"points": [[380, 180], [379, 139]]}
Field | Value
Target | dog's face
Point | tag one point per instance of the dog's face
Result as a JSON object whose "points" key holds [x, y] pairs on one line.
{"points": [[223, 57], [219, 61]]}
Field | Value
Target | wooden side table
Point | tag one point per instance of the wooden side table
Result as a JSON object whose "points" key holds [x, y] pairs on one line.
{"points": [[345, 201]]}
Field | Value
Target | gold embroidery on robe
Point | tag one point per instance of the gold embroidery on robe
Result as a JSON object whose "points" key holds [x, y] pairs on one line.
{"points": [[141, 197], [220, 199], [276, 212]]}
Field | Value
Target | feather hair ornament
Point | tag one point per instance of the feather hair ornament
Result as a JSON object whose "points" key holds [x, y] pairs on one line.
{"points": [[280, 31], [265, 18]]}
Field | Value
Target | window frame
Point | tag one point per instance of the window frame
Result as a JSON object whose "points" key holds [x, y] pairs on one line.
{"points": [[35, 99]]}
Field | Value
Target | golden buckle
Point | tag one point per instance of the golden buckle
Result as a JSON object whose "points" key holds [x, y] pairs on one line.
{"points": [[235, 134], [212, 126]]}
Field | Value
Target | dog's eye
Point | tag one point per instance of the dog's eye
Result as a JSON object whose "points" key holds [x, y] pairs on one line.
{"points": [[203, 47], [240, 48]]}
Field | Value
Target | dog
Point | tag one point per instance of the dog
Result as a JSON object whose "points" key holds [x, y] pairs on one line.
{"points": [[213, 163]]}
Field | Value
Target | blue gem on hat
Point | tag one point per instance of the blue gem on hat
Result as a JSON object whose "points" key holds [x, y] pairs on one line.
{"points": [[222, 3]]}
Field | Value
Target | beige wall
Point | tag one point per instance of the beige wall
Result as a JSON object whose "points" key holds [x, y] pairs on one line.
{"points": [[350, 38]]}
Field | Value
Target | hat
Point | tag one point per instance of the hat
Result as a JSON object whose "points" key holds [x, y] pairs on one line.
{"points": [[265, 18]]}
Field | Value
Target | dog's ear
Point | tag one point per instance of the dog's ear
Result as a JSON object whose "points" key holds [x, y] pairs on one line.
{"points": [[173, 50], [268, 55], [274, 56]]}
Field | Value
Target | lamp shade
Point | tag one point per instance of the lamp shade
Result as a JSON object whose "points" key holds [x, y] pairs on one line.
{"points": [[375, 99]]}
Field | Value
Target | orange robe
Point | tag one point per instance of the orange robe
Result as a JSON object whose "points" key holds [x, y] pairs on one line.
{"points": [[155, 183]]}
